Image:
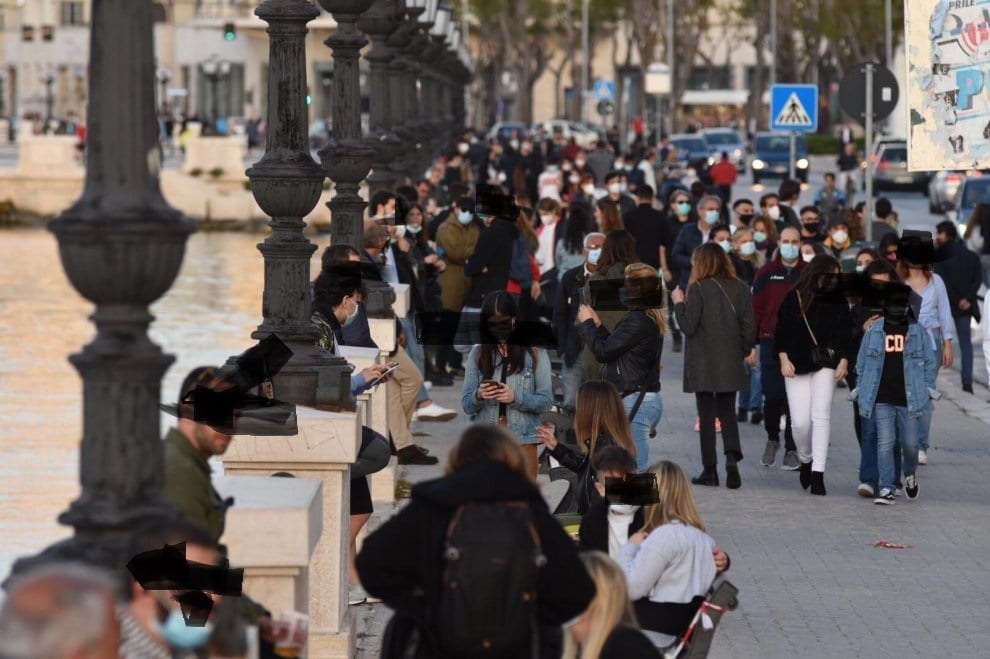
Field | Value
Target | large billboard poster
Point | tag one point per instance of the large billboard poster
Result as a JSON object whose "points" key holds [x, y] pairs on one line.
{"points": [[948, 54]]}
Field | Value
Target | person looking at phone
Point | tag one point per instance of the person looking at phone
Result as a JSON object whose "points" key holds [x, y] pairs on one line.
{"points": [[630, 353], [506, 382], [600, 421]]}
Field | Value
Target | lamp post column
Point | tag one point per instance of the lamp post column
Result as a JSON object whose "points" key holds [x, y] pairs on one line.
{"points": [[346, 158], [378, 23], [287, 184], [121, 245]]}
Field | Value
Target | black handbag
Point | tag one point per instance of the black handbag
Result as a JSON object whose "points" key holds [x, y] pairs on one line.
{"points": [[821, 356]]}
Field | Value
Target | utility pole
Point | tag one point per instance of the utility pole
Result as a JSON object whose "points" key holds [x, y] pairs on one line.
{"points": [[773, 42], [671, 109], [890, 37], [585, 54]]}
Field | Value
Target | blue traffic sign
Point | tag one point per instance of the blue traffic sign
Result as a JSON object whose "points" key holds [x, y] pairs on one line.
{"points": [[794, 107], [604, 90]]}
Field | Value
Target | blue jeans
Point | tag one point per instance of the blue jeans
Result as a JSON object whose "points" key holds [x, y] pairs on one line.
{"points": [[647, 417], [752, 397], [868, 469], [415, 352], [894, 427], [923, 423], [571, 378], [964, 335]]}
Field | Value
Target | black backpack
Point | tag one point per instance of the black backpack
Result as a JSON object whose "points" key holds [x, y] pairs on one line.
{"points": [[492, 558]]}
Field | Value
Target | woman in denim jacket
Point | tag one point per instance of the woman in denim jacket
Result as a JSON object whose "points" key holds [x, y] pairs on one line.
{"points": [[894, 397], [527, 390]]}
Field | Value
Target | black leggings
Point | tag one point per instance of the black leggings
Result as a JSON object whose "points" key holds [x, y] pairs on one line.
{"points": [[722, 405]]}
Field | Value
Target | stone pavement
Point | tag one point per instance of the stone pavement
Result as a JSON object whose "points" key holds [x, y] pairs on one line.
{"points": [[811, 582]]}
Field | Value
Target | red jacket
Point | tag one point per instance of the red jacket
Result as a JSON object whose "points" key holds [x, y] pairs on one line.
{"points": [[770, 285], [723, 173]]}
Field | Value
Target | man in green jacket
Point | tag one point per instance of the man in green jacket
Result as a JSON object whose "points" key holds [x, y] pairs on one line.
{"points": [[187, 479]]}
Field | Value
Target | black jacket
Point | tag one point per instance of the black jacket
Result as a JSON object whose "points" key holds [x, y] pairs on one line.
{"points": [[628, 643], [630, 354], [830, 320], [593, 533], [580, 462], [565, 310], [402, 562], [962, 273], [649, 227], [493, 251]]}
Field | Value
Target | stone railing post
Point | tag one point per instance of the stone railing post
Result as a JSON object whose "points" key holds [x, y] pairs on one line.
{"points": [[378, 23], [121, 245]]}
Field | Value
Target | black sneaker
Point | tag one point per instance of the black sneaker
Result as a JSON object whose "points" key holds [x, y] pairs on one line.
{"points": [[967, 387], [911, 487], [886, 498], [742, 415], [756, 418], [415, 455], [456, 372]]}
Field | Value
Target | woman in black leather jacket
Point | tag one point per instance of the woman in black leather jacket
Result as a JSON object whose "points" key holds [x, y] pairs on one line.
{"points": [[600, 420], [630, 354]]}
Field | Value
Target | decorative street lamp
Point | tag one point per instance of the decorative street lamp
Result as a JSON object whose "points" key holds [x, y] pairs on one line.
{"points": [[346, 158], [287, 184], [214, 69], [121, 245]]}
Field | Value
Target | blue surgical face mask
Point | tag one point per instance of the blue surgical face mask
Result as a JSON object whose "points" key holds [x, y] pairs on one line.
{"points": [[748, 248], [351, 317], [860, 268], [760, 236], [683, 209], [726, 245], [790, 252], [711, 217], [594, 255], [181, 636], [465, 217]]}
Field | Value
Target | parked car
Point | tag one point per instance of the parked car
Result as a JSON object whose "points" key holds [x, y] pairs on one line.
{"points": [[689, 151], [504, 130], [974, 190], [584, 136], [891, 170], [942, 190], [772, 157], [726, 140]]}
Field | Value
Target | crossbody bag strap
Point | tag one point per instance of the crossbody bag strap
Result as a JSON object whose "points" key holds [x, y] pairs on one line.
{"points": [[801, 307], [502, 416], [729, 299]]}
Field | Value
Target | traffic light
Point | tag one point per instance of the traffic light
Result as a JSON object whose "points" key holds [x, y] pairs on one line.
{"points": [[229, 32]]}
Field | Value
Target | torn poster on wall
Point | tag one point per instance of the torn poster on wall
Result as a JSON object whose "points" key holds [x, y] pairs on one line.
{"points": [[948, 54]]}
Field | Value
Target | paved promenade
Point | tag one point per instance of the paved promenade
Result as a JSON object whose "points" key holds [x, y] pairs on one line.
{"points": [[811, 582]]}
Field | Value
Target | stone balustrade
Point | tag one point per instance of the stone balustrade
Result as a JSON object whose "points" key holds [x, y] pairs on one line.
{"points": [[207, 154], [324, 449], [272, 530]]}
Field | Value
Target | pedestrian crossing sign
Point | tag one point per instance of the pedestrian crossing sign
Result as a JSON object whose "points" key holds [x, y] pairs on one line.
{"points": [[794, 107]]}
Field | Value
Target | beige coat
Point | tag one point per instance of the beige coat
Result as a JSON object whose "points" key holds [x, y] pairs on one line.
{"points": [[458, 242]]}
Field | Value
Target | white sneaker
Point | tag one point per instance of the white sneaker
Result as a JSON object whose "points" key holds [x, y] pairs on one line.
{"points": [[922, 457], [427, 384], [865, 490], [433, 412]]}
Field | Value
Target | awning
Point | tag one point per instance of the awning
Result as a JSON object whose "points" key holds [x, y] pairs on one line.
{"points": [[715, 97]]}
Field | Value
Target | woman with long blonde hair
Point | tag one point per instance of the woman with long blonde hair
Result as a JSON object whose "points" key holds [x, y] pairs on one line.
{"points": [[716, 316], [671, 564], [600, 420], [608, 628], [630, 353]]}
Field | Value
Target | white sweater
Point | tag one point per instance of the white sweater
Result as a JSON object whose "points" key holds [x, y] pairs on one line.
{"points": [[674, 564]]}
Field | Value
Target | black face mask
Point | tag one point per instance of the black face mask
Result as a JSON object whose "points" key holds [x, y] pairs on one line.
{"points": [[897, 314], [501, 330], [811, 227], [745, 219]]}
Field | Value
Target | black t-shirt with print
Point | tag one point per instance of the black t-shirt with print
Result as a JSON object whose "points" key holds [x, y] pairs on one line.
{"points": [[892, 389]]}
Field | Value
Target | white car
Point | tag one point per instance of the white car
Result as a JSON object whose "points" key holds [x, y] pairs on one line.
{"points": [[584, 136]]}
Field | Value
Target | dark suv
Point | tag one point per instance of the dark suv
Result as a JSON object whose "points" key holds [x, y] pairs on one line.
{"points": [[772, 157]]}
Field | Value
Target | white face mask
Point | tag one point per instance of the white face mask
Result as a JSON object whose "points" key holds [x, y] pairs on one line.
{"points": [[807, 258], [579, 163], [574, 179], [774, 213], [623, 508], [548, 219], [839, 237], [588, 188], [615, 188], [414, 228]]}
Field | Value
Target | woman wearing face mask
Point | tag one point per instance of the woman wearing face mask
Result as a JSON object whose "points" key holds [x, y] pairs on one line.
{"points": [[618, 251], [716, 314], [457, 238], [506, 382], [569, 250], [524, 272], [428, 268], [608, 628], [746, 260], [549, 213], [813, 339], [765, 237], [629, 354], [810, 249], [600, 421], [887, 249], [840, 244], [721, 235], [584, 192]]}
